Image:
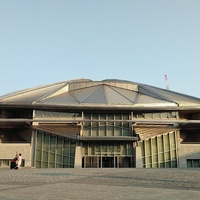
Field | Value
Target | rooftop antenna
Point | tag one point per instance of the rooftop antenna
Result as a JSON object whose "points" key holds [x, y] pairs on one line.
{"points": [[166, 82]]}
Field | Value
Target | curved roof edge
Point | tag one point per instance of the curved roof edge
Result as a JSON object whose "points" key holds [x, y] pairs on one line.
{"points": [[114, 93]]}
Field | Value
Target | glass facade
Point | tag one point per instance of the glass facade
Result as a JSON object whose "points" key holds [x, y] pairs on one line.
{"points": [[112, 154], [54, 151], [156, 115], [114, 127], [160, 151], [108, 154]]}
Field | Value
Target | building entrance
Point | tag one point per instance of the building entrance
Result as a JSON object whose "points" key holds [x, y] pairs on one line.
{"points": [[107, 154], [107, 161]]}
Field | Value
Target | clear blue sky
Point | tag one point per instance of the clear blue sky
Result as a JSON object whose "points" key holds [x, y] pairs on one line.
{"points": [[48, 41]]}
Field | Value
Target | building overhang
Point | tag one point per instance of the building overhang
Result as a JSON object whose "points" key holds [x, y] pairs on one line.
{"points": [[112, 138], [98, 107], [70, 131], [146, 131]]}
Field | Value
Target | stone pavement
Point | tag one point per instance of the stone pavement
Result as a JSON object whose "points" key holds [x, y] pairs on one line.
{"points": [[99, 184]]}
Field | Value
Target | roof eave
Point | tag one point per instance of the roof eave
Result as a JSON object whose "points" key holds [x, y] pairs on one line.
{"points": [[94, 107]]}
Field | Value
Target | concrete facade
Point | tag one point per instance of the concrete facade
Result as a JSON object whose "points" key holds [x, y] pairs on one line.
{"points": [[100, 124]]}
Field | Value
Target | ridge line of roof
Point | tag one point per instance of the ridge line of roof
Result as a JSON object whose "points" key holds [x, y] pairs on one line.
{"points": [[146, 87]]}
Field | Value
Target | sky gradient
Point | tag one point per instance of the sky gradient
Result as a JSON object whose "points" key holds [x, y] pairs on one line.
{"points": [[49, 41]]}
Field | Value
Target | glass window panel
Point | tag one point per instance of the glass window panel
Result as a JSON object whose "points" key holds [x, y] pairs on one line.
{"points": [[102, 117], [66, 147], [87, 132], [92, 149], [110, 131], [161, 157], [71, 162], [38, 164], [155, 158], [162, 165], [117, 131], [166, 141], [66, 160], [156, 115], [154, 145], [167, 155], [165, 115], [38, 155], [94, 116], [154, 165], [102, 130], [39, 140], [123, 149], [85, 148], [148, 147], [168, 164], [160, 144], [148, 115], [97, 148], [38, 113], [127, 132], [140, 115], [149, 160], [173, 115], [44, 164], [95, 131], [72, 149], [118, 117], [104, 148], [172, 140], [87, 124], [58, 165], [126, 124], [52, 157], [58, 159], [51, 165], [111, 148], [47, 114], [110, 117], [45, 156], [130, 149], [52, 143], [173, 155], [60, 145], [117, 148], [46, 142], [195, 163], [174, 164]]}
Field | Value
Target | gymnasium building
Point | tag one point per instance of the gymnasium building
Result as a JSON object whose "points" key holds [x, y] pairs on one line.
{"points": [[100, 124]]}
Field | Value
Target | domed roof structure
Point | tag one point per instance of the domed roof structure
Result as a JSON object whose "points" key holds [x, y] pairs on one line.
{"points": [[111, 93]]}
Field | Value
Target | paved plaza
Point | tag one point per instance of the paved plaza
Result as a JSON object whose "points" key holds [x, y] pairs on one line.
{"points": [[92, 184]]}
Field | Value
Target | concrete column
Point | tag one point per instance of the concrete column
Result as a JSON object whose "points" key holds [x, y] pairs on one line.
{"points": [[78, 157], [138, 157]]}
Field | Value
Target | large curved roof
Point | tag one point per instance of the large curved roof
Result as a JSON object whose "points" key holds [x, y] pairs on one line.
{"points": [[85, 93]]}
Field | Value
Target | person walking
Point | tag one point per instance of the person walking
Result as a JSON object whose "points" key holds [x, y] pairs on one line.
{"points": [[19, 161]]}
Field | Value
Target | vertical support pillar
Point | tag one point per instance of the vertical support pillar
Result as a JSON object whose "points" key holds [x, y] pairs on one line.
{"points": [[33, 150], [78, 157], [138, 157]]}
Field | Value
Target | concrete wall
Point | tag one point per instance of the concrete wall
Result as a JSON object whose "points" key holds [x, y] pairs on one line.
{"points": [[8, 151], [188, 151]]}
